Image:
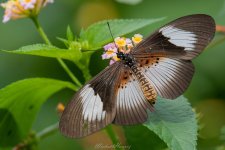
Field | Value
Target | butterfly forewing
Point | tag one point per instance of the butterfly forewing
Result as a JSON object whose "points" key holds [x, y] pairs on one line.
{"points": [[93, 107], [185, 37]]}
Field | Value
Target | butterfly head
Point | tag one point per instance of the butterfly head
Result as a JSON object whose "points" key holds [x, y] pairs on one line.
{"points": [[120, 55]]}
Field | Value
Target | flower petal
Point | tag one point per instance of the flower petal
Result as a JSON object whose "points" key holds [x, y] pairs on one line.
{"points": [[112, 62]]}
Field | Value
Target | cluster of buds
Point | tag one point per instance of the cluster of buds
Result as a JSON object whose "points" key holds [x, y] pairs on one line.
{"points": [[15, 9], [120, 44]]}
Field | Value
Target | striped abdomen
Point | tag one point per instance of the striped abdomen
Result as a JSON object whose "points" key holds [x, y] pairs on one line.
{"points": [[146, 87]]}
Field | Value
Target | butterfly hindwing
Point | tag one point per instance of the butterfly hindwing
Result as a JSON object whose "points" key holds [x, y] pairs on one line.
{"points": [[169, 76], [93, 106], [131, 105]]}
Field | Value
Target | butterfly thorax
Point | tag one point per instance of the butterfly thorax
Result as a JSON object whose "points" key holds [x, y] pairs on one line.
{"points": [[146, 87], [126, 58]]}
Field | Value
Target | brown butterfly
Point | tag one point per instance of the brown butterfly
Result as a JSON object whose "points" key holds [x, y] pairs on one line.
{"points": [[159, 65]]}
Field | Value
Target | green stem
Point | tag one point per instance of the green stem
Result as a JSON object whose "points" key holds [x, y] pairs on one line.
{"points": [[40, 30], [85, 71], [61, 62], [75, 80], [48, 131], [114, 138]]}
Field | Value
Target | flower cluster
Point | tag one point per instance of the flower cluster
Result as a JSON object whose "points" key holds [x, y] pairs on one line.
{"points": [[15, 9], [120, 44]]}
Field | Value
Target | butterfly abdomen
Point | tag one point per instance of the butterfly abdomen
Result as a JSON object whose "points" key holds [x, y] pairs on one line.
{"points": [[146, 87]]}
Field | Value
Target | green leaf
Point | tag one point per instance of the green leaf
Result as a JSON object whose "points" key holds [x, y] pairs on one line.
{"points": [[140, 137], [64, 41], [98, 34], [19, 104], [47, 51], [175, 123], [69, 34]]}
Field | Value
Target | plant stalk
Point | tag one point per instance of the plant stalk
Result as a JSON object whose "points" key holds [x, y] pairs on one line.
{"points": [[47, 41], [114, 138]]}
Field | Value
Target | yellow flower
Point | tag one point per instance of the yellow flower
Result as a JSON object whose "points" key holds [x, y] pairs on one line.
{"points": [[109, 52], [120, 41], [137, 38]]}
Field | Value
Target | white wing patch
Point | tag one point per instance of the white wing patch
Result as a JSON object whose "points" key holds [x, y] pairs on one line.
{"points": [[92, 104], [131, 105], [170, 77], [180, 37]]}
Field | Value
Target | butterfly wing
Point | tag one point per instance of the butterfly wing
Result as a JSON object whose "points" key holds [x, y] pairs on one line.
{"points": [[131, 105], [93, 106], [185, 37], [165, 56], [169, 76]]}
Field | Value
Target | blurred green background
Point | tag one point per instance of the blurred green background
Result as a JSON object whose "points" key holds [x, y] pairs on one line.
{"points": [[206, 92]]}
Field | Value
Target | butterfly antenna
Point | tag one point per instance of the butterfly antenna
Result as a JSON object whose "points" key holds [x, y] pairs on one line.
{"points": [[111, 33]]}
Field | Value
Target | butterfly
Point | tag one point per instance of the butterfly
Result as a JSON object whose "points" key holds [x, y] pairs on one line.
{"points": [[160, 65]]}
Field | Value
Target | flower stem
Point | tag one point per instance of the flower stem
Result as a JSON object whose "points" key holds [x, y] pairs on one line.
{"points": [[114, 138], [61, 62], [75, 80], [40, 30], [85, 71]]}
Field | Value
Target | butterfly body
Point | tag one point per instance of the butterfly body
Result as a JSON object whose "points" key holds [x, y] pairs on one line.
{"points": [[160, 65], [146, 87], [127, 59]]}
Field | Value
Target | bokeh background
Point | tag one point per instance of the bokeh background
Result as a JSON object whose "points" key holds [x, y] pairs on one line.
{"points": [[206, 92]]}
